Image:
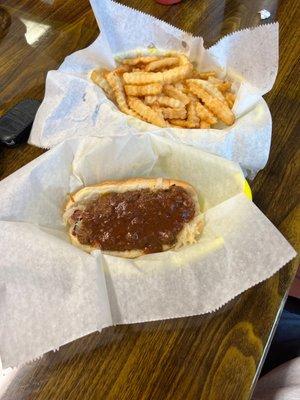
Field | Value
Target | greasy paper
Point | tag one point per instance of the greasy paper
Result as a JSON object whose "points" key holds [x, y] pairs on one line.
{"points": [[74, 106], [52, 293]]}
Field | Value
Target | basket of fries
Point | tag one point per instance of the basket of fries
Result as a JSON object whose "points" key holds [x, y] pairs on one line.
{"points": [[142, 74], [167, 91]]}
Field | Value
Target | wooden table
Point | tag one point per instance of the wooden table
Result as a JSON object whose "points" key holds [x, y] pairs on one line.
{"points": [[215, 356]]}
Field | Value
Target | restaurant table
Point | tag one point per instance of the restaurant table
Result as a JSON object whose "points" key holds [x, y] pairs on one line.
{"points": [[213, 356]]}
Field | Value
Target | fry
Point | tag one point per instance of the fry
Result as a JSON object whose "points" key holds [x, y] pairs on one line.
{"points": [[115, 83], [146, 112], [192, 117], [178, 73], [164, 101], [203, 75], [222, 86], [182, 123], [140, 60], [174, 113], [150, 100], [142, 78], [205, 115], [209, 87], [121, 69], [98, 76], [157, 108], [215, 81], [180, 86], [171, 91], [143, 90], [219, 108], [172, 75], [163, 63], [230, 98], [204, 125], [169, 102], [192, 96]]}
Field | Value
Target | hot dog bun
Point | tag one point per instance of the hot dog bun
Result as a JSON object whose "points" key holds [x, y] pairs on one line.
{"points": [[187, 235]]}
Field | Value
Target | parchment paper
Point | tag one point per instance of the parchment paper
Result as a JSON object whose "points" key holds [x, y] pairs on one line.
{"points": [[73, 106], [52, 292]]}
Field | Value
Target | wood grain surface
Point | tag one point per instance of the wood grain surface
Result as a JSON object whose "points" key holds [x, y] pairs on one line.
{"points": [[210, 357]]}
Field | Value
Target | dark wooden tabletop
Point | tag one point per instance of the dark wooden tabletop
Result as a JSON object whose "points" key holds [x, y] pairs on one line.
{"points": [[215, 356]]}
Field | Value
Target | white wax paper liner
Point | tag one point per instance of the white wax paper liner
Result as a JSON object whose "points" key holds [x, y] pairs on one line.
{"points": [[52, 292], [74, 106]]}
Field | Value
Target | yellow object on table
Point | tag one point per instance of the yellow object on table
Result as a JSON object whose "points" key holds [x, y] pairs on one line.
{"points": [[247, 190]]}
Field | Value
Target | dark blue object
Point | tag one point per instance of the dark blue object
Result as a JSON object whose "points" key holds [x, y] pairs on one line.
{"points": [[16, 124], [286, 342]]}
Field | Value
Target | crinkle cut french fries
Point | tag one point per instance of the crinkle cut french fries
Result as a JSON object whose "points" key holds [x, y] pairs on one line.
{"points": [[168, 91]]}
